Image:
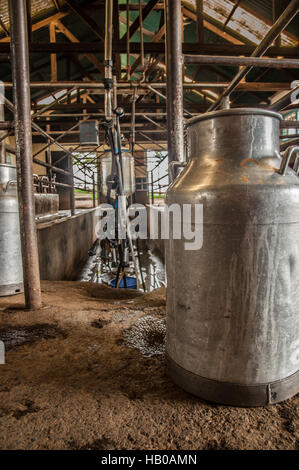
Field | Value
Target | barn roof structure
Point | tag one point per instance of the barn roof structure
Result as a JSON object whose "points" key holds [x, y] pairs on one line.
{"points": [[67, 48]]}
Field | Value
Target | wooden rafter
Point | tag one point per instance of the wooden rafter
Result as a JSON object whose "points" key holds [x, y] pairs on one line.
{"points": [[29, 23], [116, 37]]}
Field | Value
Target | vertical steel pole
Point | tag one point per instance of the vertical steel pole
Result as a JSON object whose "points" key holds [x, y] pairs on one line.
{"points": [[199, 14], [99, 179], [2, 134], [152, 185], [175, 118], [72, 189], [21, 91], [93, 191]]}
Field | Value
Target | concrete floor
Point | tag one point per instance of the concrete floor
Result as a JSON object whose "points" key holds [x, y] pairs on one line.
{"points": [[87, 372]]}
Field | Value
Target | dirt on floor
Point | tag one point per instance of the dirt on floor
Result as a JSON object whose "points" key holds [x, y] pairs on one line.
{"points": [[87, 371]]}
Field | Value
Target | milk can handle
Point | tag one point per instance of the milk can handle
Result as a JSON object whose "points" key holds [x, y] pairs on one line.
{"points": [[173, 167], [286, 157]]}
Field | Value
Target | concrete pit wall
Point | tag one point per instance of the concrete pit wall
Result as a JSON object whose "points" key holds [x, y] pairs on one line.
{"points": [[46, 204], [63, 245]]}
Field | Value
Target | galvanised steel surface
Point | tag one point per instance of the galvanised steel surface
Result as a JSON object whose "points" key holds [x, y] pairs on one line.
{"points": [[105, 167], [233, 323], [11, 273]]}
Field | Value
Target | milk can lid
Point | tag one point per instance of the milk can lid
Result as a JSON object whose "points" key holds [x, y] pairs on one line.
{"points": [[233, 112]]}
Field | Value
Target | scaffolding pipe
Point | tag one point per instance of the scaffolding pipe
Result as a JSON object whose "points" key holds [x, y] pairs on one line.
{"points": [[199, 23], [22, 123], [128, 87], [108, 59], [141, 41], [174, 67], [2, 143], [279, 25]]}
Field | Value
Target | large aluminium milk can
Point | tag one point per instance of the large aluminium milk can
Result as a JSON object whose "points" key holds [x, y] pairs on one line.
{"points": [[233, 305], [11, 274]]}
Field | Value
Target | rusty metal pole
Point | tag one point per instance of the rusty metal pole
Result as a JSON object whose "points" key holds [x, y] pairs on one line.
{"points": [[152, 186], [174, 64], [21, 91], [93, 191], [99, 178], [199, 23], [72, 185]]}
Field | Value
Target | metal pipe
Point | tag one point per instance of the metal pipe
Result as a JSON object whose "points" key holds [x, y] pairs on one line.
{"points": [[225, 103], [199, 23], [276, 11], [174, 66], [133, 122], [154, 123], [2, 143], [72, 189], [286, 144], [22, 123], [152, 186], [93, 191], [128, 87], [50, 166], [141, 41], [128, 39], [243, 61], [58, 138], [272, 34], [289, 136]]}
